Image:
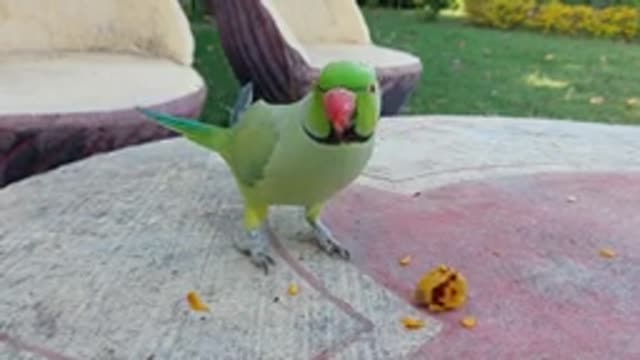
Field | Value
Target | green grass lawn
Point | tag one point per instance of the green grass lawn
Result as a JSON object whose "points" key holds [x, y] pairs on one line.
{"points": [[468, 70]]}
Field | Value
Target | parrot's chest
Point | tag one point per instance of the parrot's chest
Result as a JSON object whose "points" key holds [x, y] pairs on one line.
{"points": [[304, 172]]}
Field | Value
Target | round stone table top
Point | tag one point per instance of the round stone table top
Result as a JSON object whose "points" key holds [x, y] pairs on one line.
{"points": [[96, 257]]}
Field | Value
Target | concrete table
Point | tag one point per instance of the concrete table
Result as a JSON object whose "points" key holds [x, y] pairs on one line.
{"points": [[96, 257]]}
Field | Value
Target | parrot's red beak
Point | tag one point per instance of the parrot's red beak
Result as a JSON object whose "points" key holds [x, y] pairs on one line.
{"points": [[340, 104]]}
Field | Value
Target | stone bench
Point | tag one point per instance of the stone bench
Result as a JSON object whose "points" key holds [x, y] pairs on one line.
{"points": [[96, 258], [71, 72]]}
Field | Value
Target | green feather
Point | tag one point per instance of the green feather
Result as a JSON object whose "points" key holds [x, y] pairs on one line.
{"points": [[209, 136]]}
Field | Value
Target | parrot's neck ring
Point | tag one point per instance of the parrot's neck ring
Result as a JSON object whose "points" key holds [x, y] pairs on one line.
{"points": [[349, 136]]}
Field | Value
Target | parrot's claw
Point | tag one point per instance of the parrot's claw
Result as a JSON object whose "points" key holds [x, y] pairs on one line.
{"points": [[262, 261], [327, 242], [257, 250]]}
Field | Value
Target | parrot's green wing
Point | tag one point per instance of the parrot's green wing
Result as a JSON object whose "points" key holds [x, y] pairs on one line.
{"points": [[255, 138]]}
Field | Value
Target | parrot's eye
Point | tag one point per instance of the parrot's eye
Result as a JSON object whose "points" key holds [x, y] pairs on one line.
{"points": [[372, 88]]}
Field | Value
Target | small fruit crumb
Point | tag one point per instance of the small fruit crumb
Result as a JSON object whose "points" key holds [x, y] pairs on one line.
{"points": [[571, 199], [469, 322], [412, 323], [607, 253], [293, 290], [405, 260], [196, 303]]}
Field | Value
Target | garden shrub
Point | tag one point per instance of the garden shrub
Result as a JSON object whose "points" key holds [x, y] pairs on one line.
{"points": [[604, 3], [403, 4], [432, 8], [434, 5], [619, 21], [558, 17], [612, 22], [502, 14]]}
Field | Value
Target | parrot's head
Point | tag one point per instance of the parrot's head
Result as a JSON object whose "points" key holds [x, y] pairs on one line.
{"points": [[346, 104]]}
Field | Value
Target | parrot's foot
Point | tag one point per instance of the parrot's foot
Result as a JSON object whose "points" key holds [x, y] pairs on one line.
{"points": [[257, 250], [327, 242]]}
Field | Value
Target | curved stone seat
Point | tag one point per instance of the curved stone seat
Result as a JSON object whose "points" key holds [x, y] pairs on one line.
{"points": [[71, 74]]}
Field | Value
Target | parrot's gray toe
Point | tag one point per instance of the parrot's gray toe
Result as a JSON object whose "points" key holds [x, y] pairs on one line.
{"points": [[331, 247], [343, 253], [258, 251], [260, 258], [262, 261], [328, 243], [336, 249]]}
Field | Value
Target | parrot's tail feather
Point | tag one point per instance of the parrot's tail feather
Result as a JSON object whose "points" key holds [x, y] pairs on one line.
{"points": [[210, 136], [243, 101]]}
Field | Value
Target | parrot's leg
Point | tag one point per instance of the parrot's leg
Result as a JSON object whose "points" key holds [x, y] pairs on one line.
{"points": [[323, 235], [257, 247]]}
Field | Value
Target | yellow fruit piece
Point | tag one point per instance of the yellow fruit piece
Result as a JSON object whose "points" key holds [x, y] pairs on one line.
{"points": [[412, 323], [405, 261], [442, 289], [607, 253], [293, 290], [469, 322], [196, 303]]}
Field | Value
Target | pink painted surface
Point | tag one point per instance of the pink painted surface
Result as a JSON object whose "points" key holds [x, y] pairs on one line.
{"points": [[538, 285], [539, 288]]}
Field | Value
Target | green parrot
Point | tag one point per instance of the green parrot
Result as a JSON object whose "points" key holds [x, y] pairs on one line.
{"points": [[301, 154]]}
